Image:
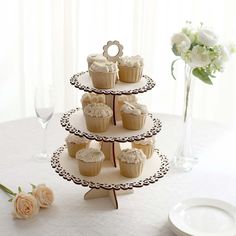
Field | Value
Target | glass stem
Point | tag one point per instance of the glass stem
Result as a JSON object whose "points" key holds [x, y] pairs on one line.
{"points": [[44, 147]]}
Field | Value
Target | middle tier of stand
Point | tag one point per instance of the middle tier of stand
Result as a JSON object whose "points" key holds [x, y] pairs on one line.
{"points": [[74, 122]]}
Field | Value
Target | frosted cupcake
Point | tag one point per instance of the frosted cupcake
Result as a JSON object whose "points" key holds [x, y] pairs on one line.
{"points": [[75, 143], [89, 98], [121, 101], [146, 145], [133, 115], [131, 162], [90, 161], [103, 74], [95, 57], [98, 117], [130, 69]]}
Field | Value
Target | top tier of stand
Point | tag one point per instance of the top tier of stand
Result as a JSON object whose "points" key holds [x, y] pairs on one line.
{"points": [[83, 81]]}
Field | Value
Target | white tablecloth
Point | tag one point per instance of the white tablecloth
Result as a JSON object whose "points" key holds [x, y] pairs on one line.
{"points": [[142, 213]]}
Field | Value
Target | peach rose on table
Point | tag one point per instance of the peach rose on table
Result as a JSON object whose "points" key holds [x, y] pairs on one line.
{"points": [[25, 206], [44, 195]]}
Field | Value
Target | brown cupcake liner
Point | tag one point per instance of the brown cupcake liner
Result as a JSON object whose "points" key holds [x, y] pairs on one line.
{"points": [[89, 168], [131, 170], [133, 122], [97, 124], [75, 147], [103, 80], [130, 74], [147, 149]]}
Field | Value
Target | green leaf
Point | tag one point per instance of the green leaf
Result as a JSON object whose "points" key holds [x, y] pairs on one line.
{"points": [[7, 190], [202, 75], [10, 200], [192, 45], [33, 186], [212, 76], [172, 67], [19, 189]]}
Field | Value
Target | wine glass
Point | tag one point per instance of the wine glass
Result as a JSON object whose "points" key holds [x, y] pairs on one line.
{"points": [[44, 108]]}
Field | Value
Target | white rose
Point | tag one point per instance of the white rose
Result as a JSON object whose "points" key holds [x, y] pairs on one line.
{"points": [[44, 195], [207, 37], [224, 54], [181, 42], [25, 206], [199, 57]]}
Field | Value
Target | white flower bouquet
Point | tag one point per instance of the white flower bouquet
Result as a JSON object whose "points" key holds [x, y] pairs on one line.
{"points": [[201, 51]]}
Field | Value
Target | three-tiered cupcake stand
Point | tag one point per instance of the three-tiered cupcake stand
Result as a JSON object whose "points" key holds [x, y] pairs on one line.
{"points": [[109, 183]]}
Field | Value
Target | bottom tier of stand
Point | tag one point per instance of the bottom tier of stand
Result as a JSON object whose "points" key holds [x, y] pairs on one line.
{"points": [[109, 182]]}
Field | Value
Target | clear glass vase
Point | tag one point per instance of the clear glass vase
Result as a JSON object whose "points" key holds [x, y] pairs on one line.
{"points": [[184, 158]]}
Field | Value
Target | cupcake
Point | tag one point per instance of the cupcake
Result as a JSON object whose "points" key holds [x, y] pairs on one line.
{"points": [[75, 143], [130, 69], [97, 117], [131, 162], [90, 161], [133, 115], [121, 101], [146, 145], [88, 98], [103, 74], [95, 57]]}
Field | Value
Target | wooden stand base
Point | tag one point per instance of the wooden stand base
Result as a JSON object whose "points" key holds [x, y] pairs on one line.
{"points": [[112, 194]]}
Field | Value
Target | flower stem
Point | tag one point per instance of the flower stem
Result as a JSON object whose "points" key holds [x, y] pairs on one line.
{"points": [[188, 79], [7, 190]]}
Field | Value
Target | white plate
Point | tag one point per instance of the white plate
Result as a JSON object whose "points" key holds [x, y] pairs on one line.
{"points": [[177, 231], [203, 217]]}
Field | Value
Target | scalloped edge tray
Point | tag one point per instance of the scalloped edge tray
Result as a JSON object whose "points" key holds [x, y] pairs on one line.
{"points": [[77, 126], [82, 81], [59, 160]]}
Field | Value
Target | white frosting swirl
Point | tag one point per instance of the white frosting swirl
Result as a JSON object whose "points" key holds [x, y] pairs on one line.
{"points": [[133, 61], [98, 110], [104, 67], [96, 57], [90, 155], [71, 138], [146, 141], [93, 98], [134, 108], [132, 156]]}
